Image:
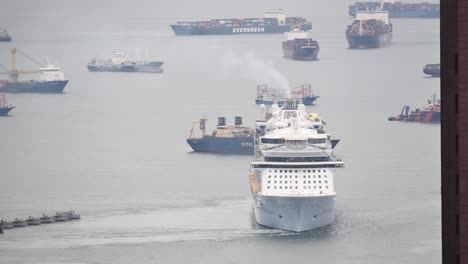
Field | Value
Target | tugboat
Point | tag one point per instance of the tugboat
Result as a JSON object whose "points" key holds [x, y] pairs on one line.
{"points": [[292, 174], [61, 217], [6, 225], [274, 21], [236, 139], [33, 221], [399, 9], [5, 108], [369, 30], [72, 215], [432, 69], [19, 223], [299, 45], [430, 113], [4, 36], [51, 79], [302, 94], [45, 219], [119, 63]]}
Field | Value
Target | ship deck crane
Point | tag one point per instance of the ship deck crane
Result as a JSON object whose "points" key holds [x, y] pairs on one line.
{"points": [[13, 72]]}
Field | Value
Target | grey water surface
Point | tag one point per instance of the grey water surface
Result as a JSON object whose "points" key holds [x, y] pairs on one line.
{"points": [[112, 147]]}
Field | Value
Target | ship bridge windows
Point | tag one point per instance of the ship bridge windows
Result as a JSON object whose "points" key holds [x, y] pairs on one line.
{"points": [[289, 114], [273, 140], [317, 140]]}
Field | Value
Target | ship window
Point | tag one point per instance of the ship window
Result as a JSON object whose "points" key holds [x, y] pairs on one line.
{"points": [[308, 171], [295, 177], [313, 171], [273, 141], [308, 177], [280, 187], [317, 140], [269, 170], [320, 181], [285, 187], [290, 176], [303, 176], [290, 187], [275, 182], [318, 170], [326, 181], [314, 181], [315, 187], [295, 171], [269, 181], [324, 176], [320, 187], [281, 176], [321, 192], [314, 176], [281, 182], [304, 187], [309, 187], [309, 182], [268, 187], [326, 187], [275, 176], [275, 171], [296, 182], [319, 176], [296, 187], [305, 182], [269, 176], [275, 187]]}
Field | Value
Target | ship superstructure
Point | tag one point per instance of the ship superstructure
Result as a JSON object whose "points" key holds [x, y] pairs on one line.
{"points": [[4, 36], [371, 29], [274, 21], [228, 139], [120, 63], [398, 9], [5, 108], [299, 45], [268, 95], [292, 173], [51, 78]]}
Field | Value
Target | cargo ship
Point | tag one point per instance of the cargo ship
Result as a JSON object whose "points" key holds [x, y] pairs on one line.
{"points": [[120, 63], [274, 21], [4, 36], [292, 175], [398, 9], [369, 30], [432, 69], [51, 79], [5, 108], [302, 94], [430, 113], [228, 139], [299, 45]]}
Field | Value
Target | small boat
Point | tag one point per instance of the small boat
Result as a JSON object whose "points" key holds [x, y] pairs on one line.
{"points": [[45, 219], [72, 215], [432, 69], [61, 217], [6, 225], [33, 221], [302, 94], [430, 113], [19, 223]]}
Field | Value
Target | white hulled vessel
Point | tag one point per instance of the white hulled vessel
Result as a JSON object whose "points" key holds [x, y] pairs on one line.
{"points": [[292, 174]]}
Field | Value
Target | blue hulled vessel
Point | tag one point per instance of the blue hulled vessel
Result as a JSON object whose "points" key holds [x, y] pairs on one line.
{"points": [[228, 139], [398, 9], [274, 21], [51, 80], [432, 69], [5, 108], [371, 29], [302, 94]]}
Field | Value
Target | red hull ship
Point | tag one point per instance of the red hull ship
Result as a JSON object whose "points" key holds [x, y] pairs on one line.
{"points": [[429, 114]]}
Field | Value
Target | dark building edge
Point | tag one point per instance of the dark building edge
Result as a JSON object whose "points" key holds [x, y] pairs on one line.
{"points": [[454, 130]]}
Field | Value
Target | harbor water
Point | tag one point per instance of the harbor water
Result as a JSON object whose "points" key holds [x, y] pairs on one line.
{"points": [[112, 146]]}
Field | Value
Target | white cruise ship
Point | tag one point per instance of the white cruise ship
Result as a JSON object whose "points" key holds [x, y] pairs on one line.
{"points": [[292, 174]]}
